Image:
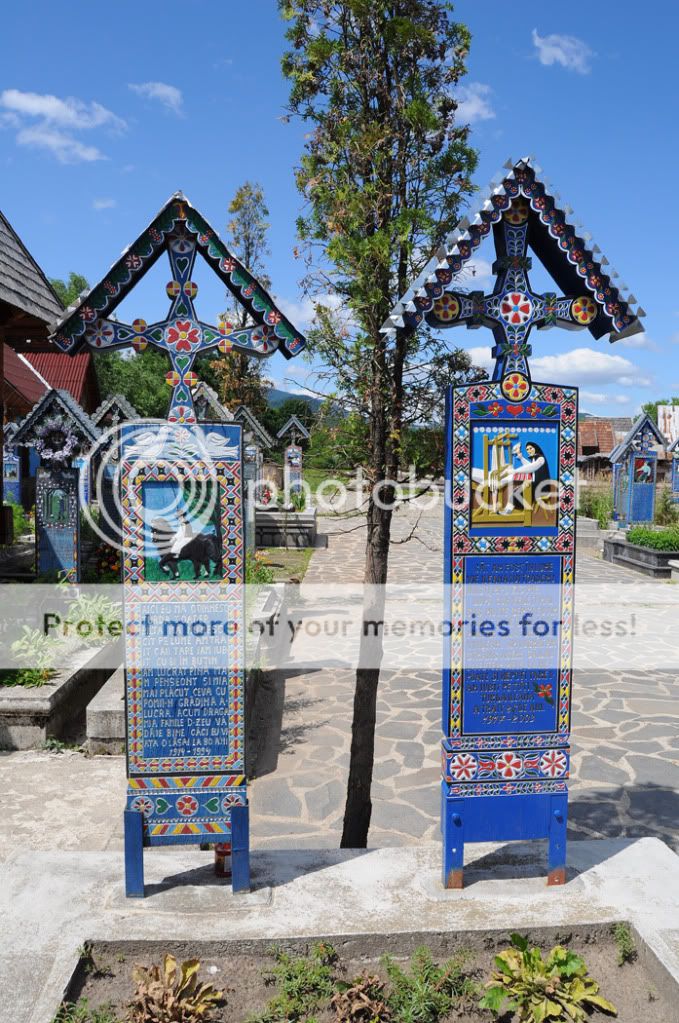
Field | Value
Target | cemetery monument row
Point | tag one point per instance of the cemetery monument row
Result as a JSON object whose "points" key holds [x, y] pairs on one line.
{"points": [[635, 463], [510, 521], [292, 458], [183, 552], [60, 431]]}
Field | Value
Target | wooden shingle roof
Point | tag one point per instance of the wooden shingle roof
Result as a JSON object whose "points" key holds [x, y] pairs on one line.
{"points": [[25, 289]]}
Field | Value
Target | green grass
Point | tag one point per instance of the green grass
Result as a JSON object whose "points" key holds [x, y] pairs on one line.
{"points": [[81, 1012], [287, 563]]}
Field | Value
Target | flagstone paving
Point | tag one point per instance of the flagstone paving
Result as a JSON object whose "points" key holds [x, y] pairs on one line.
{"points": [[625, 728]]}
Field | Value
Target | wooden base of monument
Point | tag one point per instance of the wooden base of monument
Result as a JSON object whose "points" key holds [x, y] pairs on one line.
{"points": [[504, 818], [135, 842]]}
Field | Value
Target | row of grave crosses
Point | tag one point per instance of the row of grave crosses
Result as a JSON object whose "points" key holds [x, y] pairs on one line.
{"points": [[513, 308], [181, 335]]}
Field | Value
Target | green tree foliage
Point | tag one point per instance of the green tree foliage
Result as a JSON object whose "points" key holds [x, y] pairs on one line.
{"points": [[139, 376], [384, 173], [68, 291], [239, 376]]}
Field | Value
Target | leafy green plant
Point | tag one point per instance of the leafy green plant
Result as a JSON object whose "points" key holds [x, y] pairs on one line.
{"points": [[81, 1012], [362, 1001], [257, 571], [666, 511], [38, 652], [657, 539], [627, 950], [54, 745], [428, 991], [536, 989], [21, 522], [596, 502], [304, 983], [171, 993], [101, 616]]}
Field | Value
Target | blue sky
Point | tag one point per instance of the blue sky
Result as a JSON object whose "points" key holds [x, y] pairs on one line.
{"points": [[103, 115]]}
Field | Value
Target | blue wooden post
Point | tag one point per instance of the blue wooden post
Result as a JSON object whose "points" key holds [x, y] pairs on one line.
{"points": [[452, 823], [240, 849], [557, 840], [134, 854]]}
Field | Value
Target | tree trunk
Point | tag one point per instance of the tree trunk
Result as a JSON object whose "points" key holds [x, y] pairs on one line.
{"points": [[358, 807]]}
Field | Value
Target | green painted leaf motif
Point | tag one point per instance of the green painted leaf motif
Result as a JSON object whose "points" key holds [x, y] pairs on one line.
{"points": [[182, 361], [157, 334], [210, 335], [213, 249], [162, 805], [212, 804], [122, 333], [182, 263], [550, 410], [481, 410], [181, 309], [181, 396]]}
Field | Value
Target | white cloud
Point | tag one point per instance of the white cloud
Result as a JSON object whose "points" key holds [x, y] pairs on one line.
{"points": [[169, 95], [103, 204], [639, 341], [599, 398], [587, 366], [568, 51], [66, 113], [63, 146], [48, 122], [473, 102], [580, 366], [301, 314], [481, 273]]}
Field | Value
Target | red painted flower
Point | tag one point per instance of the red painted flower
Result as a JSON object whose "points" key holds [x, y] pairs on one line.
{"points": [[534, 409], [509, 765], [183, 335], [462, 766], [545, 691], [495, 408], [187, 806]]}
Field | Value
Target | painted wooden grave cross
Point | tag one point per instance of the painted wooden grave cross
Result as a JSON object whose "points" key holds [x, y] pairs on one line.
{"points": [[635, 464], [510, 521], [292, 458], [60, 431], [182, 551]]}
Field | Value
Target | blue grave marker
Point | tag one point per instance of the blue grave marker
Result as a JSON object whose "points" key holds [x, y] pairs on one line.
{"points": [[11, 467], [635, 461], [183, 566], [510, 517], [59, 431]]}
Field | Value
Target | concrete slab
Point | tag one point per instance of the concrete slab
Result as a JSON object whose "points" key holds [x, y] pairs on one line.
{"points": [[51, 903], [106, 717]]}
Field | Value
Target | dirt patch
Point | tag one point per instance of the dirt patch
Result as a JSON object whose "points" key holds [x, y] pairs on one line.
{"points": [[641, 990]]}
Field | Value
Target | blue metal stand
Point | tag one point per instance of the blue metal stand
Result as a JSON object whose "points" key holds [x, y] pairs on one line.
{"points": [[240, 849], [134, 854]]}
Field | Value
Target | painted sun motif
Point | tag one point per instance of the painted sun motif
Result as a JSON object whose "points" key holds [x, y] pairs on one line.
{"points": [[584, 310], [446, 308]]}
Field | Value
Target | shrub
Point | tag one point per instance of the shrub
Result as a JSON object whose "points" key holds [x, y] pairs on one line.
{"points": [[428, 991], [172, 994], [536, 989], [596, 502], [666, 511], [658, 539], [257, 571]]}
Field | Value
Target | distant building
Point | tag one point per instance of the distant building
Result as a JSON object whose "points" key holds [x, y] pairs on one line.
{"points": [[597, 438]]}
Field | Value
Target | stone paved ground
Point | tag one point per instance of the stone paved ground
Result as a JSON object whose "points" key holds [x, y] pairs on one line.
{"points": [[625, 731]]}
